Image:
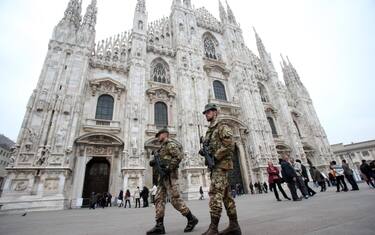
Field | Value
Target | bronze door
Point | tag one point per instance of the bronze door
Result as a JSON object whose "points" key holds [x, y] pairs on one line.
{"points": [[96, 178], [235, 176]]}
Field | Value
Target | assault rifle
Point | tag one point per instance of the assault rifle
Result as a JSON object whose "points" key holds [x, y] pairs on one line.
{"points": [[158, 164], [205, 152]]}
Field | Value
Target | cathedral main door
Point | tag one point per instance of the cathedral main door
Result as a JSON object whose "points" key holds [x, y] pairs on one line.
{"points": [[96, 178], [235, 176]]}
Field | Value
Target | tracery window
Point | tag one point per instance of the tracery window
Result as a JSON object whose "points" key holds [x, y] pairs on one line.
{"points": [[160, 71], [272, 125], [210, 45]]}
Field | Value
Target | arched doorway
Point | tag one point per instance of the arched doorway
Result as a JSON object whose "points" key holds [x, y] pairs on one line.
{"points": [[235, 176], [96, 178]]}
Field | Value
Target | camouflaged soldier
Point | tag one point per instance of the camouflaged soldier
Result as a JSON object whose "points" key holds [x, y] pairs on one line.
{"points": [[221, 147], [170, 158]]}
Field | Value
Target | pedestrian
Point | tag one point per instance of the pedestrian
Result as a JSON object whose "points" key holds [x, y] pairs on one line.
{"points": [[201, 193], [260, 188], [153, 193], [221, 146], [306, 179], [251, 186], [265, 187], [93, 200], [300, 182], [338, 172], [145, 194], [170, 155], [127, 198], [289, 176], [349, 175], [319, 178], [120, 199], [137, 197], [275, 180], [367, 171], [108, 199]]}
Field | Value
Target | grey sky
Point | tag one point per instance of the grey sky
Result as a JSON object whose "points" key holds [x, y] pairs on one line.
{"points": [[331, 44]]}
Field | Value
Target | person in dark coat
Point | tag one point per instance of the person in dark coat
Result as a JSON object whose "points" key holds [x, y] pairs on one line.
{"points": [[145, 194], [306, 179], [108, 200], [265, 187], [275, 180], [93, 200], [367, 171], [201, 193], [318, 177], [290, 176], [349, 175], [120, 198]]}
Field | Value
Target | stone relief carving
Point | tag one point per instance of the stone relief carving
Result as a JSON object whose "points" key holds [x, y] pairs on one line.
{"points": [[19, 185], [51, 185]]}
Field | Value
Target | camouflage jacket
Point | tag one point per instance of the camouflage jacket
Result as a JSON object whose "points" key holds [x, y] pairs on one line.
{"points": [[221, 144], [170, 154]]}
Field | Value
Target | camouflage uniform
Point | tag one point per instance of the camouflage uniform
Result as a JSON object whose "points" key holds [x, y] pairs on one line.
{"points": [[170, 156], [222, 148]]}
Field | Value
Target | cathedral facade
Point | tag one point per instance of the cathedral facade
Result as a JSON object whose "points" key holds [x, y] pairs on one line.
{"points": [[90, 123]]}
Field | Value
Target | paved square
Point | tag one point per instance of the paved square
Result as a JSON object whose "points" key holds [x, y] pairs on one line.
{"points": [[326, 213]]}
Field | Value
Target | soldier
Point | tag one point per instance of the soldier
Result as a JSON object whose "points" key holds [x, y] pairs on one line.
{"points": [[170, 158], [221, 147]]}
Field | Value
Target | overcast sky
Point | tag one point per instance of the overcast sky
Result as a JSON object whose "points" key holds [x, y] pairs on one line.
{"points": [[330, 42]]}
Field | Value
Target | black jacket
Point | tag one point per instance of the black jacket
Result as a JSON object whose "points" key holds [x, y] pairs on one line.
{"points": [[287, 171], [365, 169], [304, 173]]}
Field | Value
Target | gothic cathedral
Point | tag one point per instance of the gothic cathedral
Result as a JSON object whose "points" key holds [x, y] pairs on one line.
{"points": [[90, 123]]}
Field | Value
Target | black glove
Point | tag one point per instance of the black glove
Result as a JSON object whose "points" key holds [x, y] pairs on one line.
{"points": [[152, 163]]}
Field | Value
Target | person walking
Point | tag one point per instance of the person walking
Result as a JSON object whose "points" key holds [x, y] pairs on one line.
{"points": [[306, 179], [127, 198], [201, 193], [251, 186], [300, 183], [349, 175], [265, 187], [137, 197], [319, 178], [93, 200], [145, 194], [338, 172], [120, 199], [170, 156], [367, 171], [289, 176], [275, 180], [219, 137]]}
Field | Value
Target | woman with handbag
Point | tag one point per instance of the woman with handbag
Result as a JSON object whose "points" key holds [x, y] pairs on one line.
{"points": [[274, 180]]}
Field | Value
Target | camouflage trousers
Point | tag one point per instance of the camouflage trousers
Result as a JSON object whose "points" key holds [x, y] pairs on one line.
{"points": [[165, 188], [220, 193]]}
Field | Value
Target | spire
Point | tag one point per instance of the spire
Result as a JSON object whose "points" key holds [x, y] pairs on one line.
{"points": [[187, 3], [231, 17], [290, 73], [223, 13], [89, 20], [141, 6], [176, 3], [73, 13], [261, 48]]}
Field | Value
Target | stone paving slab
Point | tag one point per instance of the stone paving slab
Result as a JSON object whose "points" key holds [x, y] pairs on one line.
{"points": [[324, 214]]}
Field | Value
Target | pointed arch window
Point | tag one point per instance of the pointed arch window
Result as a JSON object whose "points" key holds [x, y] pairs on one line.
{"points": [[272, 125], [219, 91], [104, 108], [161, 115], [160, 71], [263, 93], [210, 45]]}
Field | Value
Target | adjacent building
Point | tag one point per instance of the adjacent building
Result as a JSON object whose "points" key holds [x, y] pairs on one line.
{"points": [[6, 146]]}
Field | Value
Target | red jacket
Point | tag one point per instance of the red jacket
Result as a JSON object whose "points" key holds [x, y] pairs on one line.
{"points": [[273, 174]]}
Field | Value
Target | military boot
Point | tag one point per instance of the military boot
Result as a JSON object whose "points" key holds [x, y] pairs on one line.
{"points": [[233, 228], [213, 229], [192, 221], [158, 229]]}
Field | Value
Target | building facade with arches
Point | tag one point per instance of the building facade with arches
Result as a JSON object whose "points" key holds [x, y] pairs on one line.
{"points": [[90, 124]]}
